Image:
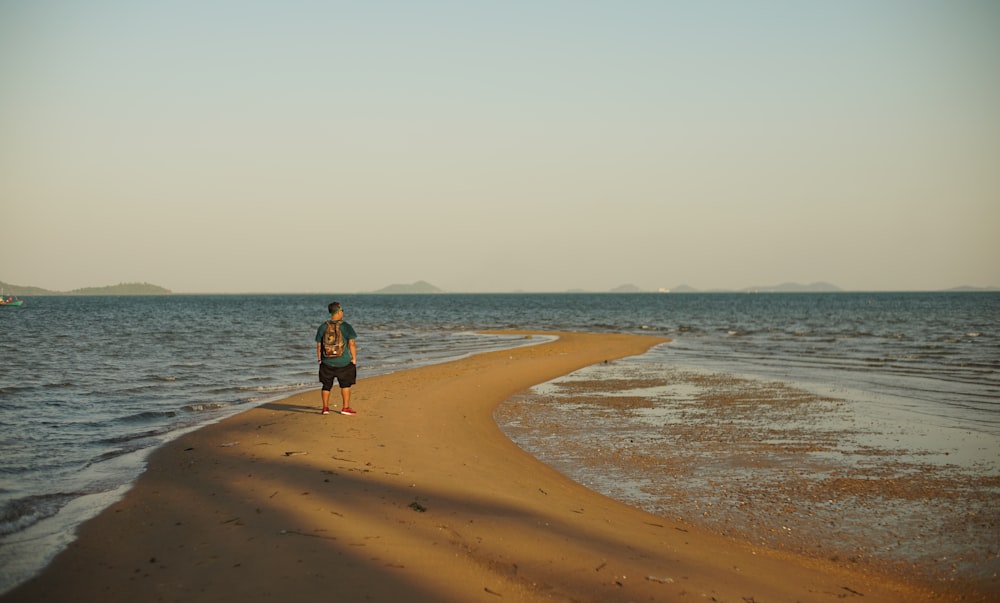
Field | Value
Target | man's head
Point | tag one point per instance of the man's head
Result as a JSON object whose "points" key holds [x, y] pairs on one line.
{"points": [[335, 309]]}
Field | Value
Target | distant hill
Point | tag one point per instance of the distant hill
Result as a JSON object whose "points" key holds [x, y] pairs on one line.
{"points": [[417, 287], [24, 290], [119, 289], [123, 289], [683, 289]]}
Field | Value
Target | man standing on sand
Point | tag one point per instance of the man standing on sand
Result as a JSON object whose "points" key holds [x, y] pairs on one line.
{"points": [[336, 353]]}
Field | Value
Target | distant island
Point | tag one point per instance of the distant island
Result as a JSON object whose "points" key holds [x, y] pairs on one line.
{"points": [[417, 287], [626, 289], [119, 289]]}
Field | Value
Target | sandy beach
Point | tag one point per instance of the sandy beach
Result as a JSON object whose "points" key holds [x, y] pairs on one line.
{"points": [[418, 498]]}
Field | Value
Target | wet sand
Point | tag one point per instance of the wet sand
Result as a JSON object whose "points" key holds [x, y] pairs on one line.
{"points": [[418, 498], [773, 464]]}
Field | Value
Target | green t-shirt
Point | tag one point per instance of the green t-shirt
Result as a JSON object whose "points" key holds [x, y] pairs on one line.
{"points": [[348, 332]]}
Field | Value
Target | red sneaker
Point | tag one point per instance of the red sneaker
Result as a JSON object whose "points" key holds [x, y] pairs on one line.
{"points": [[348, 411]]}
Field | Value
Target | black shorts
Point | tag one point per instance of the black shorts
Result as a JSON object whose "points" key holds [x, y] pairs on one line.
{"points": [[346, 376]]}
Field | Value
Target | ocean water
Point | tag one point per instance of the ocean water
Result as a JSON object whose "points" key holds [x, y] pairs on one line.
{"points": [[89, 385]]}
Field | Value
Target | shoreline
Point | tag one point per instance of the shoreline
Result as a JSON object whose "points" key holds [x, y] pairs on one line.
{"points": [[420, 497]]}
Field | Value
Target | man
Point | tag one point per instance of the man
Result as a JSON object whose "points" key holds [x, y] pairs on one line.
{"points": [[337, 352]]}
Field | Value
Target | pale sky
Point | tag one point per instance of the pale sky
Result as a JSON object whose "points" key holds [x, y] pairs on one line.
{"points": [[300, 146]]}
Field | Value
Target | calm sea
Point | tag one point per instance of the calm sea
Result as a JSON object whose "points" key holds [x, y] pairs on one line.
{"points": [[89, 385]]}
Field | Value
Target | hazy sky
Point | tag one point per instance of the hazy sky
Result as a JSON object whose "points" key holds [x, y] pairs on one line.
{"points": [[296, 146]]}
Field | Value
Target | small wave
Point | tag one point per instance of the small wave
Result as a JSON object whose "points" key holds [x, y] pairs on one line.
{"points": [[687, 329], [138, 389], [203, 406], [10, 390], [854, 334], [147, 415], [270, 389], [135, 446], [129, 437], [21, 513]]}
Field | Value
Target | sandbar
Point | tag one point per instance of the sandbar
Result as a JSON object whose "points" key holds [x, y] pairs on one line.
{"points": [[420, 497]]}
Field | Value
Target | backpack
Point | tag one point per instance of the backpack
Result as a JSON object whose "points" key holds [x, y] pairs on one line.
{"points": [[333, 340]]}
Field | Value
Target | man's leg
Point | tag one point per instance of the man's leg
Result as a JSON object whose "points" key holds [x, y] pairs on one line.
{"points": [[325, 394], [345, 395]]}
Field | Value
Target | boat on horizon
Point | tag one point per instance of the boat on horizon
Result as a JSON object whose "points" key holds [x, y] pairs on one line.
{"points": [[10, 300]]}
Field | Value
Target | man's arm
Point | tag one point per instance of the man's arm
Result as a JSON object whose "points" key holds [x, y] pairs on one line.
{"points": [[354, 351]]}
